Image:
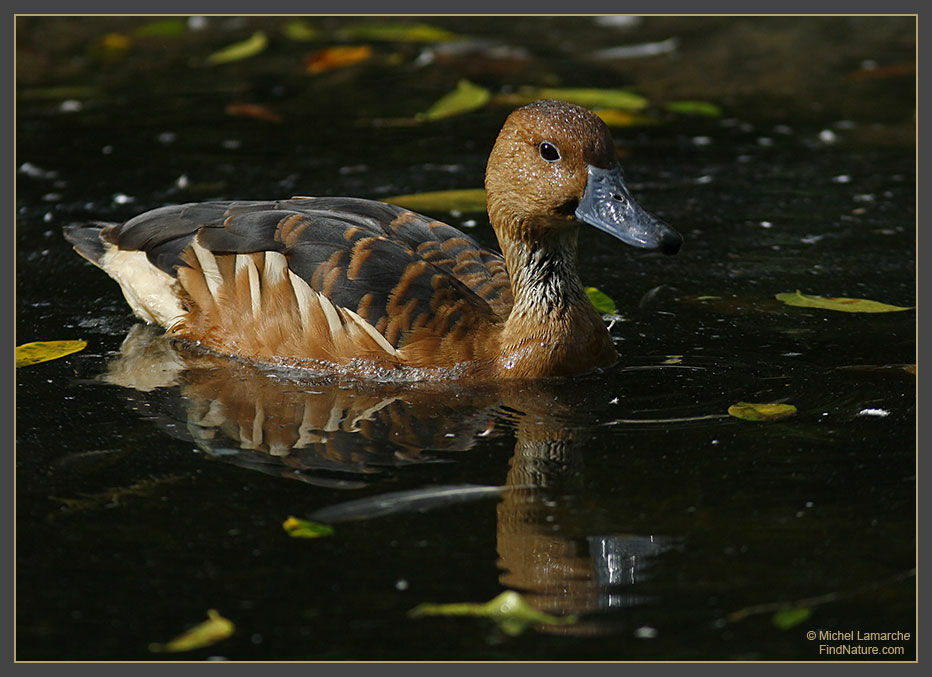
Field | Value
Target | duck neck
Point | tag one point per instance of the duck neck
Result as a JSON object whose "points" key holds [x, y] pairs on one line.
{"points": [[553, 329], [544, 281]]}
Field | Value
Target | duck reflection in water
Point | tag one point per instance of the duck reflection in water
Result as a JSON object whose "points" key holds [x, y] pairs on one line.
{"points": [[345, 434]]}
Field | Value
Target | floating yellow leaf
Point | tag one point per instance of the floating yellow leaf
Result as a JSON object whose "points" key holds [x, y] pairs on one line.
{"points": [[462, 200], [240, 50], [602, 301], [512, 613], [624, 118], [298, 528], [749, 411], [211, 631], [396, 32], [300, 31], [43, 351], [110, 47], [837, 303], [466, 97], [336, 57], [694, 108], [115, 42], [788, 618]]}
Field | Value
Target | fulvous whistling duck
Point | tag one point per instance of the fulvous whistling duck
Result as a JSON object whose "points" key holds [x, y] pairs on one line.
{"points": [[365, 288]]}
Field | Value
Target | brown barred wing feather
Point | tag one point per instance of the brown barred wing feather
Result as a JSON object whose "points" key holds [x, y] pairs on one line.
{"points": [[323, 279]]}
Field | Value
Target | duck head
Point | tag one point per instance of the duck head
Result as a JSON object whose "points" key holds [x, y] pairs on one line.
{"points": [[554, 165]]}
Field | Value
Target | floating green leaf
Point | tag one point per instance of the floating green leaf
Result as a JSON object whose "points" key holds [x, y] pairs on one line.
{"points": [[620, 99], [749, 411], [165, 28], [298, 528], [512, 613], [240, 50], [43, 351], [300, 31], [463, 200], [396, 32], [466, 97], [838, 303], [694, 108], [788, 618], [602, 301], [211, 631]]}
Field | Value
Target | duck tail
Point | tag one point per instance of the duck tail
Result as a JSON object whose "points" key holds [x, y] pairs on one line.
{"points": [[85, 237]]}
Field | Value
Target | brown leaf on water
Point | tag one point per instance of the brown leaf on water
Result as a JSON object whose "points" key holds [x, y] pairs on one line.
{"points": [[336, 57], [253, 110], [897, 70]]}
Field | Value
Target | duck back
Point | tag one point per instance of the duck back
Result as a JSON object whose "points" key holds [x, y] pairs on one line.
{"points": [[329, 279]]}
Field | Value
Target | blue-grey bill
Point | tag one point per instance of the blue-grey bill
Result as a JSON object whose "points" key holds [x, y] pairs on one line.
{"points": [[607, 205]]}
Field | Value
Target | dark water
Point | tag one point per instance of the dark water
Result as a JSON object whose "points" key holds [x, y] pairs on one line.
{"points": [[152, 482]]}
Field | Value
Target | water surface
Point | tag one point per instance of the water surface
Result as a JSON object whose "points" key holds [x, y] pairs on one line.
{"points": [[152, 481]]}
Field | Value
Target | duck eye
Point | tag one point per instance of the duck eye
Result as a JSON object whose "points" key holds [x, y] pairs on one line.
{"points": [[548, 151]]}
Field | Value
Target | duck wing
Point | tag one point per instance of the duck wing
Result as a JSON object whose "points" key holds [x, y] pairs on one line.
{"points": [[379, 272]]}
